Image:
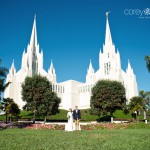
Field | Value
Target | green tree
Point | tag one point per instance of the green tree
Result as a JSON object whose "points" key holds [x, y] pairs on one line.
{"points": [[6, 106], [38, 95], [147, 59], [144, 95], [108, 96], [136, 104], [14, 110], [9, 107], [2, 108], [148, 99], [49, 105]]}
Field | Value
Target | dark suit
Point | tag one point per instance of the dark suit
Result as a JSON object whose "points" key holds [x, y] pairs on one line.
{"points": [[76, 117], [76, 114]]}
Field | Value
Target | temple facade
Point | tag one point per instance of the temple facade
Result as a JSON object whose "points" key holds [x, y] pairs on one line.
{"points": [[71, 92]]}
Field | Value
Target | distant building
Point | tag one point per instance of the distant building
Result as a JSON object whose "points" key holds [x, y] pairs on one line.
{"points": [[71, 92]]}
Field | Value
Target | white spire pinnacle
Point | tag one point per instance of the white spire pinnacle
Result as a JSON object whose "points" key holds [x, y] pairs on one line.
{"points": [[90, 67], [100, 51], [51, 69], [108, 39], [13, 66], [90, 74], [13, 69], [129, 66], [51, 66], [129, 70], [33, 39]]}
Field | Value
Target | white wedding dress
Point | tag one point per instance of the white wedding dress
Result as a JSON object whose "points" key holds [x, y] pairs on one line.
{"points": [[69, 125]]}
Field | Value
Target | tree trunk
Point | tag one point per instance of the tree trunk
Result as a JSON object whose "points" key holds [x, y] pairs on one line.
{"points": [[34, 117], [137, 118], [10, 117], [99, 115], [45, 119], [6, 117], [111, 117], [133, 119], [145, 115]]}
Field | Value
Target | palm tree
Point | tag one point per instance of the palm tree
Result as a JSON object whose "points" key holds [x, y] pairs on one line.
{"points": [[14, 110], [3, 70], [137, 103], [144, 95], [3, 73], [147, 59], [10, 107], [6, 106]]}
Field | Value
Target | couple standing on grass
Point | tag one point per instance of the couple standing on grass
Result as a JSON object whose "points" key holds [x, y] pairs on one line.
{"points": [[73, 119]]}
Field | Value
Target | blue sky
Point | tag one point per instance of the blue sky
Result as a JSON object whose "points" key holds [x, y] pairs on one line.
{"points": [[71, 32]]}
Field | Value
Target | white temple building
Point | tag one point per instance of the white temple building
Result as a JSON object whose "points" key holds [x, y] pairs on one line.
{"points": [[71, 92]]}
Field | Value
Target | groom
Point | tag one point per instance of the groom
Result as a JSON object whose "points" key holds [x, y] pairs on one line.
{"points": [[76, 117]]}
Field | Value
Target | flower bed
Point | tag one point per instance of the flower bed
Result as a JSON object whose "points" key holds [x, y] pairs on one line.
{"points": [[31, 126], [95, 126], [98, 126], [46, 126], [4, 125]]}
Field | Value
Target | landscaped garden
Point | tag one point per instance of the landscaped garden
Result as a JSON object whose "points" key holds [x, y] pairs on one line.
{"points": [[23, 130], [43, 139], [85, 114], [93, 136]]}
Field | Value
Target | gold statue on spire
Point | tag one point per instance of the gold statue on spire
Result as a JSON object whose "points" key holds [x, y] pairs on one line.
{"points": [[107, 14]]}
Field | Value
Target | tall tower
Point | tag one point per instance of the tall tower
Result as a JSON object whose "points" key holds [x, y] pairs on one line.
{"points": [[32, 60], [110, 65], [32, 63], [33, 44], [109, 60], [130, 84]]}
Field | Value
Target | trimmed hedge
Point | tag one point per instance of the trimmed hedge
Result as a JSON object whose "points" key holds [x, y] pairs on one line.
{"points": [[85, 116]]}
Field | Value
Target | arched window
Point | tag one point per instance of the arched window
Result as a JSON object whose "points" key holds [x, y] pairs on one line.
{"points": [[56, 88], [108, 55], [63, 90], [107, 68]]}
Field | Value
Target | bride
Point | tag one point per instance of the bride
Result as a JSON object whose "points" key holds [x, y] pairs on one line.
{"points": [[69, 125]]}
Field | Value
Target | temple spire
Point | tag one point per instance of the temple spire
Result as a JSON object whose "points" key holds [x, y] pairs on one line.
{"points": [[51, 66], [90, 65], [33, 39], [129, 69], [108, 39], [52, 69], [129, 66], [90, 69], [13, 69], [51, 73], [13, 65]]}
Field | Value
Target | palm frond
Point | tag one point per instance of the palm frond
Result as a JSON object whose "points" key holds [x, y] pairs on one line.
{"points": [[3, 86], [147, 59], [3, 72]]}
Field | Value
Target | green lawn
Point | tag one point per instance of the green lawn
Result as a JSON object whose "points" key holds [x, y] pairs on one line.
{"points": [[85, 116], [26, 139]]}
